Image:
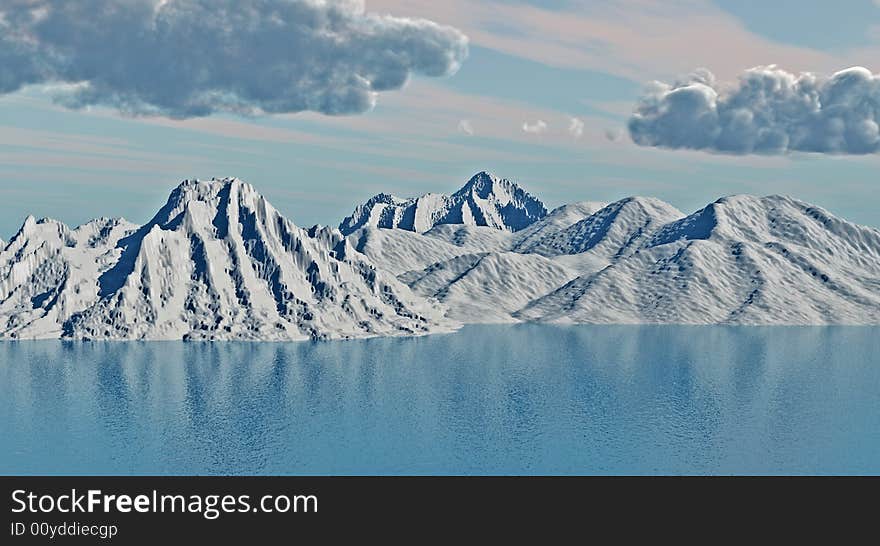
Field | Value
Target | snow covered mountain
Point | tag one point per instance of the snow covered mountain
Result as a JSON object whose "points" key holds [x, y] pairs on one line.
{"points": [[216, 262], [485, 200], [219, 262], [49, 272], [742, 260]]}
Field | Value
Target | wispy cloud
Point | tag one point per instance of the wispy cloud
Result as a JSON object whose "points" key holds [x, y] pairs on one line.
{"points": [[466, 127], [539, 127], [42, 149], [636, 39]]}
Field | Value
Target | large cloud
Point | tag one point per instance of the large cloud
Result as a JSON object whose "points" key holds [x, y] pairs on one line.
{"points": [[186, 58], [769, 111]]}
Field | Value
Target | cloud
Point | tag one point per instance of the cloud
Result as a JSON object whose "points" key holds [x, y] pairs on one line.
{"points": [[537, 128], [576, 127], [464, 126], [614, 135], [769, 111], [191, 58]]}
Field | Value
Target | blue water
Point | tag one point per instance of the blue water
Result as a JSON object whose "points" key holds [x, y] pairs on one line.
{"points": [[523, 399]]}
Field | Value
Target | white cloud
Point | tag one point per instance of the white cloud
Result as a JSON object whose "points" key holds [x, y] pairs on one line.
{"points": [[769, 111], [465, 126], [537, 128], [190, 58], [576, 127]]}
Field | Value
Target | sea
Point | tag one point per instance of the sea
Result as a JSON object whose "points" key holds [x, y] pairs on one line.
{"points": [[520, 399]]}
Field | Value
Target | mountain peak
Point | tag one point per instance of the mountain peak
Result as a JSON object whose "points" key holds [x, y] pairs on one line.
{"points": [[215, 195], [205, 190], [484, 201], [219, 262], [44, 229], [483, 184]]}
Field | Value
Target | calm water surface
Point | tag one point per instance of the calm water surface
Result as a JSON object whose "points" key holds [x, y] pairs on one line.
{"points": [[521, 399]]}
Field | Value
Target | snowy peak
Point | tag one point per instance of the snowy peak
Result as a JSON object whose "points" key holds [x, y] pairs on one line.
{"points": [[484, 185], [44, 230], [383, 210], [192, 197], [485, 200]]}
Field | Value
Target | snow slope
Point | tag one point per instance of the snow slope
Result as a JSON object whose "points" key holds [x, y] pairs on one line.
{"points": [[216, 262], [397, 251], [485, 200], [488, 287], [613, 231], [558, 219], [475, 237]]}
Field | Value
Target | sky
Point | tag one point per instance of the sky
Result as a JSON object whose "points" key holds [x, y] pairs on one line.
{"points": [[412, 96]]}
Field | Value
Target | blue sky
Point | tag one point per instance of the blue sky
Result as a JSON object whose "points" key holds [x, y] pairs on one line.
{"points": [[528, 61]]}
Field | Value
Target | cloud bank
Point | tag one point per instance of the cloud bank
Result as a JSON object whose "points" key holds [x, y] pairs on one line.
{"points": [[769, 111], [190, 58]]}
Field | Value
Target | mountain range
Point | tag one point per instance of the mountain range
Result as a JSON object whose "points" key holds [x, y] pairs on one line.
{"points": [[485, 200], [217, 261]]}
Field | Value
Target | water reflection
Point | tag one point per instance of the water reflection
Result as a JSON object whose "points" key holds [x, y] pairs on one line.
{"points": [[490, 399]]}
